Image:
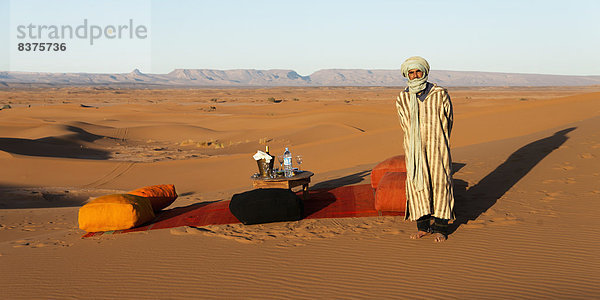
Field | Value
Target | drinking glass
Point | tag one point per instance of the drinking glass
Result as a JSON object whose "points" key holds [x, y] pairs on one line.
{"points": [[280, 159], [299, 161]]}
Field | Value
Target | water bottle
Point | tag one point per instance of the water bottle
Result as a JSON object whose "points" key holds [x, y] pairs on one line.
{"points": [[287, 163]]}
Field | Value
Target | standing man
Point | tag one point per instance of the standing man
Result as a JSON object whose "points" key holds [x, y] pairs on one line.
{"points": [[425, 113]]}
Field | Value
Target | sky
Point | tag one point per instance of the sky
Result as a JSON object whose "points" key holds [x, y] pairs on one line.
{"points": [[543, 37]]}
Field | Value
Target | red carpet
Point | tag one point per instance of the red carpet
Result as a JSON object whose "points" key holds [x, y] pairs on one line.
{"points": [[342, 202]]}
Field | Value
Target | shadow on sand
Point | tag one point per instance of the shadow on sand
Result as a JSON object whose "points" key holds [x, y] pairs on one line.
{"points": [[342, 181], [67, 146], [470, 203], [19, 197]]}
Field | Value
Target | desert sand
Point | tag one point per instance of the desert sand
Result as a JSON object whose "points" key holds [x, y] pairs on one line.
{"points": [[527, 186]]}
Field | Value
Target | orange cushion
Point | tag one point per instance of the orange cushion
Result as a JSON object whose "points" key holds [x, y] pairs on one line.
{"points": [[391, 192], [392, 164], [160, 196], [115, 212]]}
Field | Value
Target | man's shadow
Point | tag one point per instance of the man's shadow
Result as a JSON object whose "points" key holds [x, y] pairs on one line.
{"points": [[470, 203]]}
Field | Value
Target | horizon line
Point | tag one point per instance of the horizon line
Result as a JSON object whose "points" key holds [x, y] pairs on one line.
{"points": [[281, 69]]}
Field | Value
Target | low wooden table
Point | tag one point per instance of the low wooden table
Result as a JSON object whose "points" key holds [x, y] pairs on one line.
{"points": [[300, 179]]}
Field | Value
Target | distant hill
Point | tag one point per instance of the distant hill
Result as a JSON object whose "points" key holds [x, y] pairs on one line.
{"points": [[251, 77]]}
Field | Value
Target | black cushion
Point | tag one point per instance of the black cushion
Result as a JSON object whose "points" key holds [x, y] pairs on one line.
{"points": [[266, 205]]}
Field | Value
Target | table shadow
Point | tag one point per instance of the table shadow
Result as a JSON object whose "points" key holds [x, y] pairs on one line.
{"points": [[342, 181]]}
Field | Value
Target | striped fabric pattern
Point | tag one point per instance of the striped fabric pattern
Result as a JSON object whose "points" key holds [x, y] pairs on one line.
{"points": [[435, 115]]}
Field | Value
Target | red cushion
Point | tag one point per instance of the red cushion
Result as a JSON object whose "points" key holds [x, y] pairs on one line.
{"points": [[160, 196], [391, 192], [392, 164]]}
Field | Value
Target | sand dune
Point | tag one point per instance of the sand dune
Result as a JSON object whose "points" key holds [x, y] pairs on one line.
{"points": [[526, 189]]}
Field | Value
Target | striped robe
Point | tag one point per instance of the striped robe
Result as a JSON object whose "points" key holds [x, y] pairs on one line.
{"points": [[435, 116]]}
